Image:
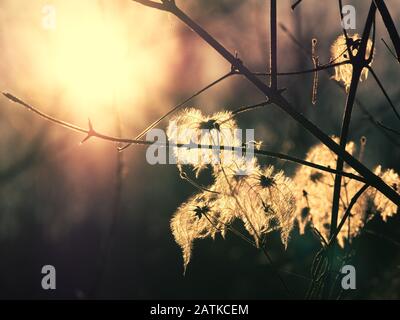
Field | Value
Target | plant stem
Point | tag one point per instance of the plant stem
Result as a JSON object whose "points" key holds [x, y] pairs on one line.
{"points": [[273, 45], [389, 24], [276, 98], [343, 141], [93, 133], [358, 65]]}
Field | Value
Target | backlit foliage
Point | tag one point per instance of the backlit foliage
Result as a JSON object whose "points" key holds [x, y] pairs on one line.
{"points": [[339, 53], [386, 207], [198, 218], [191, 128], [314, 191], [259, 197], [263, 199]]}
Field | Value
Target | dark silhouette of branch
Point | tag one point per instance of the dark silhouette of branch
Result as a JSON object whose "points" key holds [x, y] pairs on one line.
{"points": [[376, 123], [384, 92], [358, 63], [215, 82], [388, 128], [276, 98], [300, 72], [306, 52], [294, 5], [180, 105], [361, 105], [359, 60], [273, 46], [389, 24], [93, 133], [389, 49], [347, 213]]}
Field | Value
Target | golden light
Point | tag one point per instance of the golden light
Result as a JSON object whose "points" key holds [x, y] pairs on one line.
{"points": [[88, 56]]}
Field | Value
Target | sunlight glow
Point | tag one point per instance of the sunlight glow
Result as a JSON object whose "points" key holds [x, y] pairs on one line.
{"points": [[98, 55]]}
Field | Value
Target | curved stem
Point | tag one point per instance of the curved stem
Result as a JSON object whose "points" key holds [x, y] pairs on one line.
{"points": [[384, 92], [93, 133], [276, 98]]}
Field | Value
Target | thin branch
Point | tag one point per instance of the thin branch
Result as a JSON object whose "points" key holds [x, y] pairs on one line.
{"points": [[389, 49], [312, 70], [180, 105], [273, 45], [363, 109], [358, 63], [294, 5], [390, 26], [276, 98], [358, 101], [263, 248], [315, 60], [305, 51], [384, 92], [396, 243], [215, 82], [93, 133], [388, 128], [348, 212]]}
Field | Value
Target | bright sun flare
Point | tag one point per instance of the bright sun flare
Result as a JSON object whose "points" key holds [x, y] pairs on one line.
{"points": [[99, 53]]}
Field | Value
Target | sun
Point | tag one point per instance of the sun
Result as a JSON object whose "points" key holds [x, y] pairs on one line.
{"points": [[97, 55]]}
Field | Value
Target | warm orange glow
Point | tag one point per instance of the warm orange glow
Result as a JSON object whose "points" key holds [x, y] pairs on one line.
{"points": [[100, 54]]}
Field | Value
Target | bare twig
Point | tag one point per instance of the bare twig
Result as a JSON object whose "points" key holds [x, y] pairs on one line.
{"points": [[294, 5], [358, 63], [390, 26], [273, 45], [277, 99], [384, 92], [91, 132], [179, 105], [347, 213], [388, 128]]}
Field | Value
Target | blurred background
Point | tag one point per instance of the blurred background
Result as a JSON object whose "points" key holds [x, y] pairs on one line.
{"points": [[102, 217]]}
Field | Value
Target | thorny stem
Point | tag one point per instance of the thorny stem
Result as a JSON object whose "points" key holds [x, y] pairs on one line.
{"points": [[95, 134], [277, 98]]}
